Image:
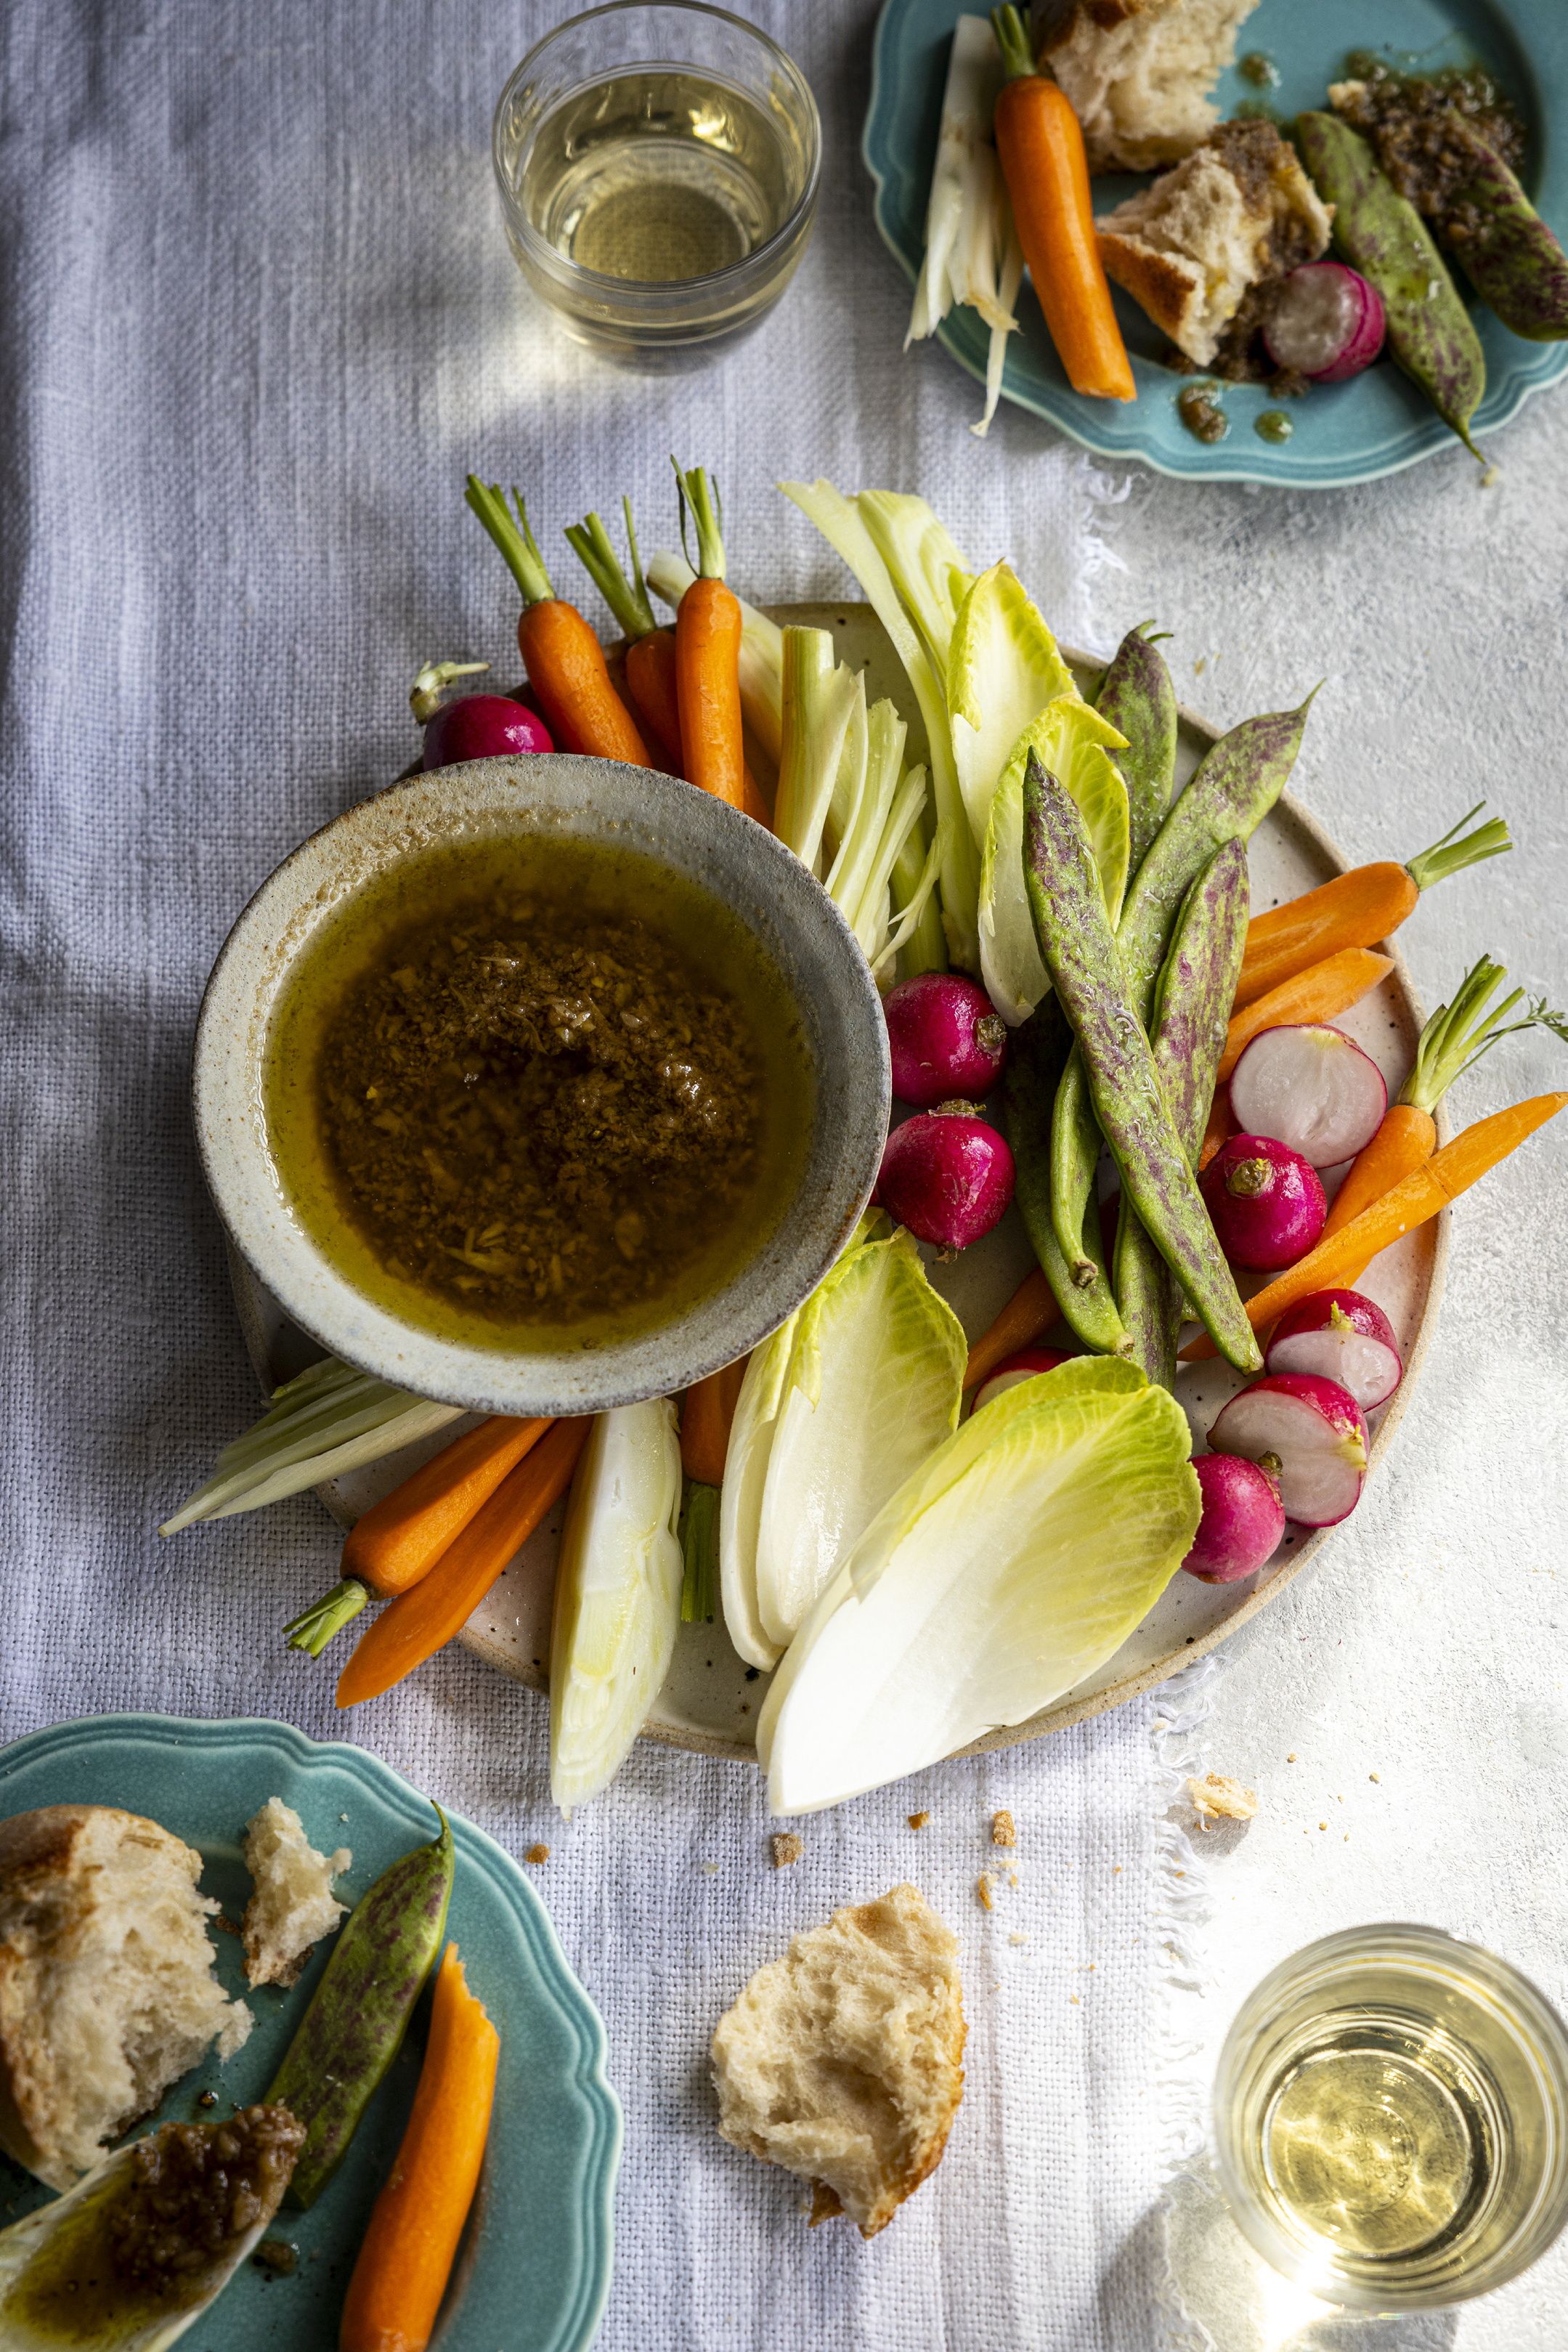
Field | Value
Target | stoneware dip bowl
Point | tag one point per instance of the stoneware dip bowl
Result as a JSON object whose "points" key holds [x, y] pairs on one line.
{"points": [[687, 832]]}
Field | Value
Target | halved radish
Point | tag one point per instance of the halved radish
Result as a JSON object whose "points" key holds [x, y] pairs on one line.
{"points": [[1021, 1367], [1305, 1431], [1243, 1519], [1309, 1085], [1267, 1202], [1343, 1337]]}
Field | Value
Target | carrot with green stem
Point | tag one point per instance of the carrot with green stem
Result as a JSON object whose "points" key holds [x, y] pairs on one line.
{"points": [[707, 654], [421, 1620], [411, 2241], [1454, 1039], [564, 659], [1341, 1259], [1359, 908], [1039, 145], [650, 647], [397, 1542]]}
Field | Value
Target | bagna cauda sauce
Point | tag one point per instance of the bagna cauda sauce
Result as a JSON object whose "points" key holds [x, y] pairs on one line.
{"points": [[536, 1094]]}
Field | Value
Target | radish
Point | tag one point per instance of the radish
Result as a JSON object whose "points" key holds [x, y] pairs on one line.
{"points": [[1267, 1202], [1309, 1433], [945, 1038], [1024, 1366], [947, 1175], [1326, 322], [1308, 1085], [1343, 1336], [1243, 1519], [482, 727]]}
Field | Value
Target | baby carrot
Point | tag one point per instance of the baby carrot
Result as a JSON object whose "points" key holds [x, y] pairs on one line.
{"points": [[1315, 994], [399, 1540], [1358, 908], [419, 1622], [707, 657], [1040, 148], [1032, 1310], [1456, 1035], [705, 1418], [1340, 1260], [411, 2242], [650, 660], [564, 659]]}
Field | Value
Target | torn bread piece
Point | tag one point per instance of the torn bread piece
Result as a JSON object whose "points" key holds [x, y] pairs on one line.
{"points": [[1217, 1798], [108, 1992], [841, 2061], [1138, 73], [1198, 249], [293, 1904]]}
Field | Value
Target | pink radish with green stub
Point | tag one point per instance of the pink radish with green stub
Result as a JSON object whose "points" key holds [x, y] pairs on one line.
{"points": [[948, 1174], [1343, 1336], [1307, 1432], [1312, 1087], [1027, 1365], [1266, 1202], [1243, 1519]]}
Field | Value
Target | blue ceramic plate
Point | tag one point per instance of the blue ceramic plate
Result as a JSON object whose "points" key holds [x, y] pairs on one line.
{"points": [[1344, 433], [534, 2267]]}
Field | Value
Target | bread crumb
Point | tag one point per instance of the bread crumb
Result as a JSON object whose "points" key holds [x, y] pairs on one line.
{"points": [[919, 1820], [1215, 1798], [786, 1848], [1292, 1756], [537, 1853], [1372, 1776], [1073, 1997], [709, 1869], [983, 1889], [1018, 1936], [1003, 1829], [1323, 1825]]}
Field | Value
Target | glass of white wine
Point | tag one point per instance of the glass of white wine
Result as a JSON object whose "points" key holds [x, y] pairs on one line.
{"points": [[658, 168], [1392, 2120]]}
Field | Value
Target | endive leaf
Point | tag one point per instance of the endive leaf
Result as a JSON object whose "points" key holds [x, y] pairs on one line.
{"points": [[1014, 1561], [1003, 668], [1075, 743]]}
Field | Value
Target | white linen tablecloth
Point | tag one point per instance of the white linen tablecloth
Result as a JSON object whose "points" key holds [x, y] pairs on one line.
{"points": [[260, 319]]}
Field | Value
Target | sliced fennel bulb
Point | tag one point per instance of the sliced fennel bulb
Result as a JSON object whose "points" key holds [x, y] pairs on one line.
{"points": [[1075, 743], [972, 252], [1016, 1560], [874, 1384], [617, 1596]]}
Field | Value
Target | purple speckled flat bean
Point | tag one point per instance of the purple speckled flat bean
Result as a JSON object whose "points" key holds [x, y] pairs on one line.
{"points": [[1508, 253], [1079, 948], [1137, 697], [1192, 1010]]}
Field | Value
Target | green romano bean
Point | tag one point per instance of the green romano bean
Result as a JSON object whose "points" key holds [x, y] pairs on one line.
{"points": [[354, 2026], [1079, 948], [1509, 254], [1137, 697], [1236, 784], [1429, 329], [1036, 1053], [1192, 1010]]}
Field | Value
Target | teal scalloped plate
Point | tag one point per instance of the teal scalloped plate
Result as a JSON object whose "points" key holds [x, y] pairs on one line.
{"points": [[534, 2267], [1344, 433]]}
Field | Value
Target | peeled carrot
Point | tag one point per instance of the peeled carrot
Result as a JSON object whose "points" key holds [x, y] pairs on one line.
{"points": [[411, 2242], [564, 659], [1032, 1310], [1220, 1128], [1455, 1038], [399, 1540], [650, 683], [706, 1419], [1339, 1260], [1358, 908], [1315, 994], [707, 657], [1039, 146], [420, 1620]]}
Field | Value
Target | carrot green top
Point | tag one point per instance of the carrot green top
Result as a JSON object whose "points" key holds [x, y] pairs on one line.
{"points": [[1458, 849], [627, 599], [702, 502], [1018, 57], [1458, 1034], [514, 540]]}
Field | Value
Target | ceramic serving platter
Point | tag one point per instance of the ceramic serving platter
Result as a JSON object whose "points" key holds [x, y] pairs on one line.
{"points": [[1376, 423], [534, 2266], [712, 1698]]}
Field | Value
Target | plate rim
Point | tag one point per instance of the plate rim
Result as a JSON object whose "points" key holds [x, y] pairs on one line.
{"points": [[588, 2076], [1426, 437]]}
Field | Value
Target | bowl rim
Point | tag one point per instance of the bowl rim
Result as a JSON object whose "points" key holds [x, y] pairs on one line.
{"points": [[757, 263], [283, 916]]}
